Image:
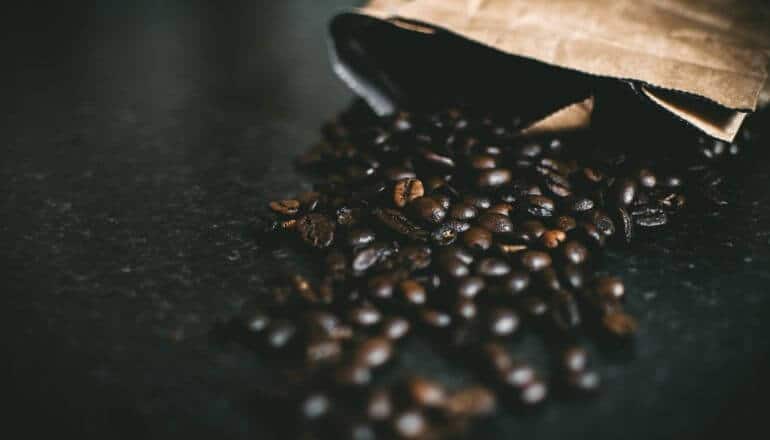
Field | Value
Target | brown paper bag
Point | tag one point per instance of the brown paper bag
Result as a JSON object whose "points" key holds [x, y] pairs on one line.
{"points": [[704, 62]]}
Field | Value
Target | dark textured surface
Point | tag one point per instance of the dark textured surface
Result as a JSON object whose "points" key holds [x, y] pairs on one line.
{"points": [[138, 144]]}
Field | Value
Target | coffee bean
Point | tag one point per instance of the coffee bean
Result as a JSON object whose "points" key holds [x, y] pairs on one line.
{"points": [[369, 256], [365, 315], [575, 252], [650, 217], [280, 333], [477, 238], [444, 235], [516, 282], [435, 318], [379, 405], [500, 208], [492, 267], [395, 328], [619, 324], [533, 229], [427, 209], [575, 359], [471, 401], [395, 174], [503, 322], [573, 275], [582, 204], [565, 223], [315, 406], [465, 308], [535, 260], [549, 279], [463, 211], [457, 252], [353, 374], [286, 207], [625, 222], [483, 162], [374, 352], [534, 393], [495, 223], [552, 238], [540, 206], [442, 199], [360, 237], [565, 311], [518, 375], [426, 392], [455, 268], [496, 357], [624, 192], [316, 229], [647, 178], [479, 202], [410, 424], [493, 178], [381, 286], [398, 222], [584, 381], [416, 257], [610, 288], [470, 286], [322, 350], [406, 190], [257, 322], [602, 222], [413, 292]]}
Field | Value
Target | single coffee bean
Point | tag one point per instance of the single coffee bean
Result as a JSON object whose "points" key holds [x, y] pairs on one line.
{"points": [[501, 208], [465, 308], [316, 229], [315, 406], [624, 192], [258, 321], [353, 375], [534, 306], [581, 204], [360, 237], [479, 202], [406, 190], [533, 229], [322, 350], [493, 178], [436, 159], [416, 257], [442, 199], [516, 282], [540, 206], [381, 286], [410, 424], [444, 235], [463, 211], [426, 392], [369, 256], [398, 222], [626, 224], [534, 393], [477, 238], [395, 328], [564, 311], [549, 279], [574, 276], [496, 357], [471, 401], [610, 288], [285, 207], [457, 252], [374, 352], [535, 260], [602, 222], [365, 315], [552, 238], [565, 223], [395, 174], [457, 225], [584, 381], [619, 324], [575, 252], [280, 333], [435, 318], [470, 286], [518, 375], [379, 405], [575, 359], [650, 218], [647, 178], [492, 267], [503, 322], [483, 162], [495, 223], [455, 268], [413, 292], [427, 209]]}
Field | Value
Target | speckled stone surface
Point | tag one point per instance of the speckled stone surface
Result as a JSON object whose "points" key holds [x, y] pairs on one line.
{"points": [[137, 146]]}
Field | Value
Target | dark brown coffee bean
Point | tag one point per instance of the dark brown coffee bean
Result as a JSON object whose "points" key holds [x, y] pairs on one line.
{"points": [[623, 192], [427, 209], [535, 260], [465, 308], [469, 287], [501, 208], [381, 286], [534, 307], [435, 318], [619, 324], [549, 279], [589, 231], [626, 224], [602, 222], [483, 162], [365, 315], [593, 175], [565, 223], [280, 333], [471, 401], [445, 234], [360, 237], [503, 322], [379, 406], [575, 252], [398, 222], [581, 204], [374, 352], [369, 256], [395, 174], [436, 159], [257, 322], [493, 178], [565, 311], [479, 202], [533, 229], [647, 178], [584, 381], [406, 191], [353, 375], [492, 267], [477, 238], [426, 392], [540, 206], [316, 229], [575, 359], [496, 223], [672, 182], [463, 211], [534, 393], [395, 328], [574, 276], [516, 282], [496, 357], [416, 257], [552, 238], [610, 288], [442, 199], [315, 406], [285, 207], [455, 268], [457, 225], [410, 424], [322, 350], [650, 217], [413, 292], [518, 375], [457, 252]]}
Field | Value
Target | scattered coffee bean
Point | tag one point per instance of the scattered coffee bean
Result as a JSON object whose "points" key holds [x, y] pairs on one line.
{"points": [[406, 191]]}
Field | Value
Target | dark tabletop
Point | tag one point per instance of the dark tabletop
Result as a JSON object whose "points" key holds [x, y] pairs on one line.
{"points": [[137, 146]]}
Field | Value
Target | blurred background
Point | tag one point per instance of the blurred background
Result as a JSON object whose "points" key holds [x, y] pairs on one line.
{"points": [[138, 143]]}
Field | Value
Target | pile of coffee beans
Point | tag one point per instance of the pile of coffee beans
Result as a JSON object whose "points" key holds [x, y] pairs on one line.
{"points": [[450, 226]]}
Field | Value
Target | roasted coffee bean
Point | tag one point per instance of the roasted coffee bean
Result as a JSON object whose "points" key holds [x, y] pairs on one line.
{"points": [[457, 225], [410, 424], [647, 178], [535, 260], [315, 406], [533, 229], [503, 322], [477, 238], [413, 292], [540, 206], [496, 357], [575, 252], [280, 333], [552, 238], [593, 175], [455, 268], [518, 375], [495, 223], [534, 306], [465, 308], [565, 311], [285, 207], [316, 229], [374, 352], [516, 282], [470, 286], [549, 279], [565, 223], [427, 209], [483, 162], [395, 328], [610, 288], [619, 324], [626, 224], [479, 202], [257, 322], [369, 256], [406, 191], [398, 222], [395, 174], [650, 217], [416, 257], [360, 237], [457, 252], [322, 350], [492, 267], [574, 276], [365, 315], [463, 211], [575, 359], [442, 199], [381, 286], [353, 375], [623, 192], [493, 178], [379, 406], [425, 392], [444, 235], [603, 222], [436, 159], [534, 393], [584, 381], [581, 204], [471, 401], [592, 234], [435, 318], [501, 208]]}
